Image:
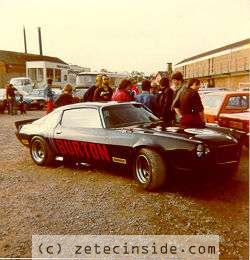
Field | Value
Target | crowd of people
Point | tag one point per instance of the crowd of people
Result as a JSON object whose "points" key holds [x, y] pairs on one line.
{"points": [[167, 97]]}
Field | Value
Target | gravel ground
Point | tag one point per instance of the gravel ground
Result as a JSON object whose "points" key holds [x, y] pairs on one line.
{"points": [[60, 200]]}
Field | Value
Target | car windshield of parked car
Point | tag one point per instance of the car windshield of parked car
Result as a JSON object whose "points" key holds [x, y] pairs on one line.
{"points": [[127, 115], [21, 82], [212, 101]]}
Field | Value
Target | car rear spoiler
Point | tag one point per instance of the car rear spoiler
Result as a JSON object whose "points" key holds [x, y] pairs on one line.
{"points": [[19, 124]]}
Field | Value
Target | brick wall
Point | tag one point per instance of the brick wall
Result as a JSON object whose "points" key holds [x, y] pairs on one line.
{"points": [[224, 66], [232, 82]]}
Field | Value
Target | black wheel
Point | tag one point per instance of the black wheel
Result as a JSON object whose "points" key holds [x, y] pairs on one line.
{"points": [[40, 152], [150, 169]]}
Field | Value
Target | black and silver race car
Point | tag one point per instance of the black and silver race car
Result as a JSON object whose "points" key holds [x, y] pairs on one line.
{"points": [[127, 134]]}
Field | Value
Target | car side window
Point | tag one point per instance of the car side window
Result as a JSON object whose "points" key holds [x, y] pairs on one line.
{"points": [[52, 119], [81, 117], [238, 102], [212, 101]]}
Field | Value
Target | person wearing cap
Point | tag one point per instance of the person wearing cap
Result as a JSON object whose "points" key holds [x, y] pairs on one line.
{"points": [[66, 97], [103, 93], [89, 94], [177, 86]]}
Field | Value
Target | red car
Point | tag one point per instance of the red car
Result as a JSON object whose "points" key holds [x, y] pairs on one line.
{"points": [[238, 121], [224, 102]]}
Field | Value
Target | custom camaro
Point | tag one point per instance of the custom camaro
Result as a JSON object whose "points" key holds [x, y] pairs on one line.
{"points": [[130, 135]]}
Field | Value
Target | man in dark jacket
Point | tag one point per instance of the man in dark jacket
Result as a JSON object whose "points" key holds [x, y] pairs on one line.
{"points": [[10, 96], [189, 106], [89, 95], [178, 87], [164, 101], [103, 93]]}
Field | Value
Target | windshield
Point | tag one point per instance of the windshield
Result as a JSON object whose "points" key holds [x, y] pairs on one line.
{"points": [[212, 101], [21, 82], [127, 115]]}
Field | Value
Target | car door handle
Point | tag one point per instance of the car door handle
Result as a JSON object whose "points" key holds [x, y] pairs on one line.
{"points": [[58, 132]]}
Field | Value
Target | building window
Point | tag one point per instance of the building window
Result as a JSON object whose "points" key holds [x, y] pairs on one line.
{"points": [[49, 73], [57, 75], [40, 74], [211, 66], [32, 73]]}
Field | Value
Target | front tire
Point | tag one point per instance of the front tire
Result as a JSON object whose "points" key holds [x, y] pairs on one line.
{"points": [[40, 152], [150, 169]]}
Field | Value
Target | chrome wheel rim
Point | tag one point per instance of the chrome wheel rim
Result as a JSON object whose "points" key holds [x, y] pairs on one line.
{"points": [[37, 151], [143, 171]]}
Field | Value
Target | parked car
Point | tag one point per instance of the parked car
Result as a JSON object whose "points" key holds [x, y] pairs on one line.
{"points": [[224, 102], [35, 99], [3, 101], [56, 93], [239, 121], [203, 91], [22, 84], [127, 134]]}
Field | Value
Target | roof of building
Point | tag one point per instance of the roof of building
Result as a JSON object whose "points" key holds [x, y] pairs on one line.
{"points": [[226, 47], [11, 57]]}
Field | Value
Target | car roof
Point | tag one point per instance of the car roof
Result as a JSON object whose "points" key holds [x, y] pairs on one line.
{"points": [[224, 93], [97, 104], [20, 78]]}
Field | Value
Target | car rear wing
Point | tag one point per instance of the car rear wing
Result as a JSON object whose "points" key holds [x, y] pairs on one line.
{"points": [[19, 124]]}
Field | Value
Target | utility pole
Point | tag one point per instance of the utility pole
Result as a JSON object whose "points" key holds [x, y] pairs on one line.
{"points": [[24, 38], [40, 41]]}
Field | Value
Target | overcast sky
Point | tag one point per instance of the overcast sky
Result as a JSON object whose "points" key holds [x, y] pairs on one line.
{"points": [[123, 35]]}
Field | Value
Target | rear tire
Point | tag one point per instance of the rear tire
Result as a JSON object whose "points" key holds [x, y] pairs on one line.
{"points": [[150, 170], [40, 152]]}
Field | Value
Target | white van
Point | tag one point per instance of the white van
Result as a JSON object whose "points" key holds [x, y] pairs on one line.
{"points": [[22, 84]]}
